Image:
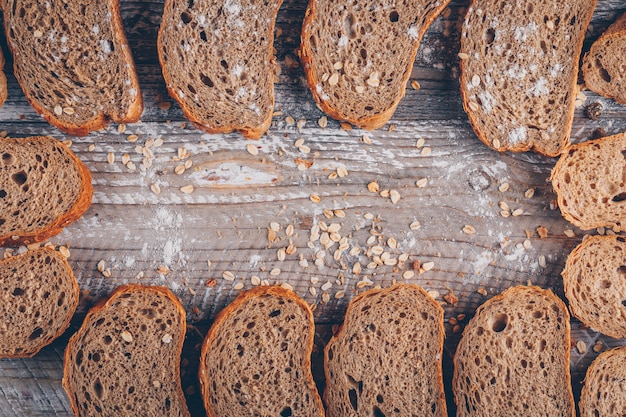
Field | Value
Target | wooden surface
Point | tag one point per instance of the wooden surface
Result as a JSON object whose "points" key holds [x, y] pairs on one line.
{"points": [[188, 241]]}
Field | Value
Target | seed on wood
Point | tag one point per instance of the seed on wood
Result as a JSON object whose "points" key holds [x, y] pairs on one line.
{"points": [[342, 172], [421, 183], [111, 158], [468, 229], [373, 187], [315, 198], [415, 85], [187, 189], [366, 139], [228, 276], [504, 187], [529, 193], [427, 266], [408, 274], [517, 212], [569, 233], [132, 138], [323, 122], [581, 347], [252, 149], [64, 251], [426, 151], [238, 286], [395, 196], [275, 272]]}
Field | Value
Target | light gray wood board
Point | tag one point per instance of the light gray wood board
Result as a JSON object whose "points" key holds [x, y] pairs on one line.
{"points": [[238, 195]]}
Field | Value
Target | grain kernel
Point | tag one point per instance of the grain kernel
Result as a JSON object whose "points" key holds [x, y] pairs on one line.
{"points": [[408, 274], [468, 229], [252, 149], [334, 79], [315, 198], [373, 187], [427, 266], [228, 276], [421, 183], [58, 110], [187, 189], [395, 196], [111, 158], [126, 336], [323, 122], [415, 225], [529, 193], [581, 347], [415, 85], [167, 338], [463, 56]]}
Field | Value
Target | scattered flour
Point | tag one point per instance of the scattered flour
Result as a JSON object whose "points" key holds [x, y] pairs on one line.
{"points": [[517, 135]]}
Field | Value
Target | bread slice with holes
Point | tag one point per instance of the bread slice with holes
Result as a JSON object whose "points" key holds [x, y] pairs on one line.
{"points": [[218, 62], [518, 81], [73, 62], [604, 392], [43, 188], [38, 298], [358, 57], [386, 358], [595, 284], [513, 357], [256, 358], [125, 358], [590, 183], [603, 66]]}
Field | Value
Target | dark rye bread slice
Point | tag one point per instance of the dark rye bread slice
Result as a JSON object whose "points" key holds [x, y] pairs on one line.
{"points": [[125, 358], [595, 284], [256, 358], [73, 62], [590, 183], [604, 392], [386, 358], [43, 188], [218, 62], [513, 357], [518, 81], [358, 56], [603, 65], [38, 297]]}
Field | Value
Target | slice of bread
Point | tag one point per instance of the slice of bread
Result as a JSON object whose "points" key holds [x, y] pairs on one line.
{"points": [[358, 57], [518, 81], [590, 183], [256, 358], [43, 188], [513, 357], [603, 65], [38, 299], [125, 358], [3, 80], [595, 284], [218, 62], [604, 392], [73, 62], [386, 358]]}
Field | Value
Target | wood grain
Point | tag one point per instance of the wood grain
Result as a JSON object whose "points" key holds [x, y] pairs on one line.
{"points": [[186, 241]]}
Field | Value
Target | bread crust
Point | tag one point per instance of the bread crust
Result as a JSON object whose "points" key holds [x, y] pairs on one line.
{"points": [[249, 132], [3, 80], [102, 119], [526, 146], [105, 303], [516, 291], [78, 209], [349, 314], [75, 290], [616, 30], [367, 122], [241, 299]]}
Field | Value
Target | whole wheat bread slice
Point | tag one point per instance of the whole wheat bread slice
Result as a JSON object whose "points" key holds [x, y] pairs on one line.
{"points": [[590, 183], [38, 298], [358, 56], [604, 392], [513, 357], [43, 188], [125, 358], [73, 62], [256, 358], [217, 59], [518, 80], [595, 284], [386, 358], [3, 80], [603, 65]]}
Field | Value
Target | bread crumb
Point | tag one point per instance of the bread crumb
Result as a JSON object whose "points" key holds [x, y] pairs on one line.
{"points": [[542, 232], [482, 292], [373, 187]]}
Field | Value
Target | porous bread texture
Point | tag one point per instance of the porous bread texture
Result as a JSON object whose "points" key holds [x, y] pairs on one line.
{"points": [[358, 56], [604, 67], [218, 62], [604, 392], [43, 188], [256, 358], [595, 284], [513, 357], [3, 80], [38, 297], [590, 183], [386, 359], [73, 62], [518, 82], [125, 358]]}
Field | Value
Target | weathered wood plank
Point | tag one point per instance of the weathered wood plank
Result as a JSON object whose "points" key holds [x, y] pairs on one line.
{"points": [[238, 195]]}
